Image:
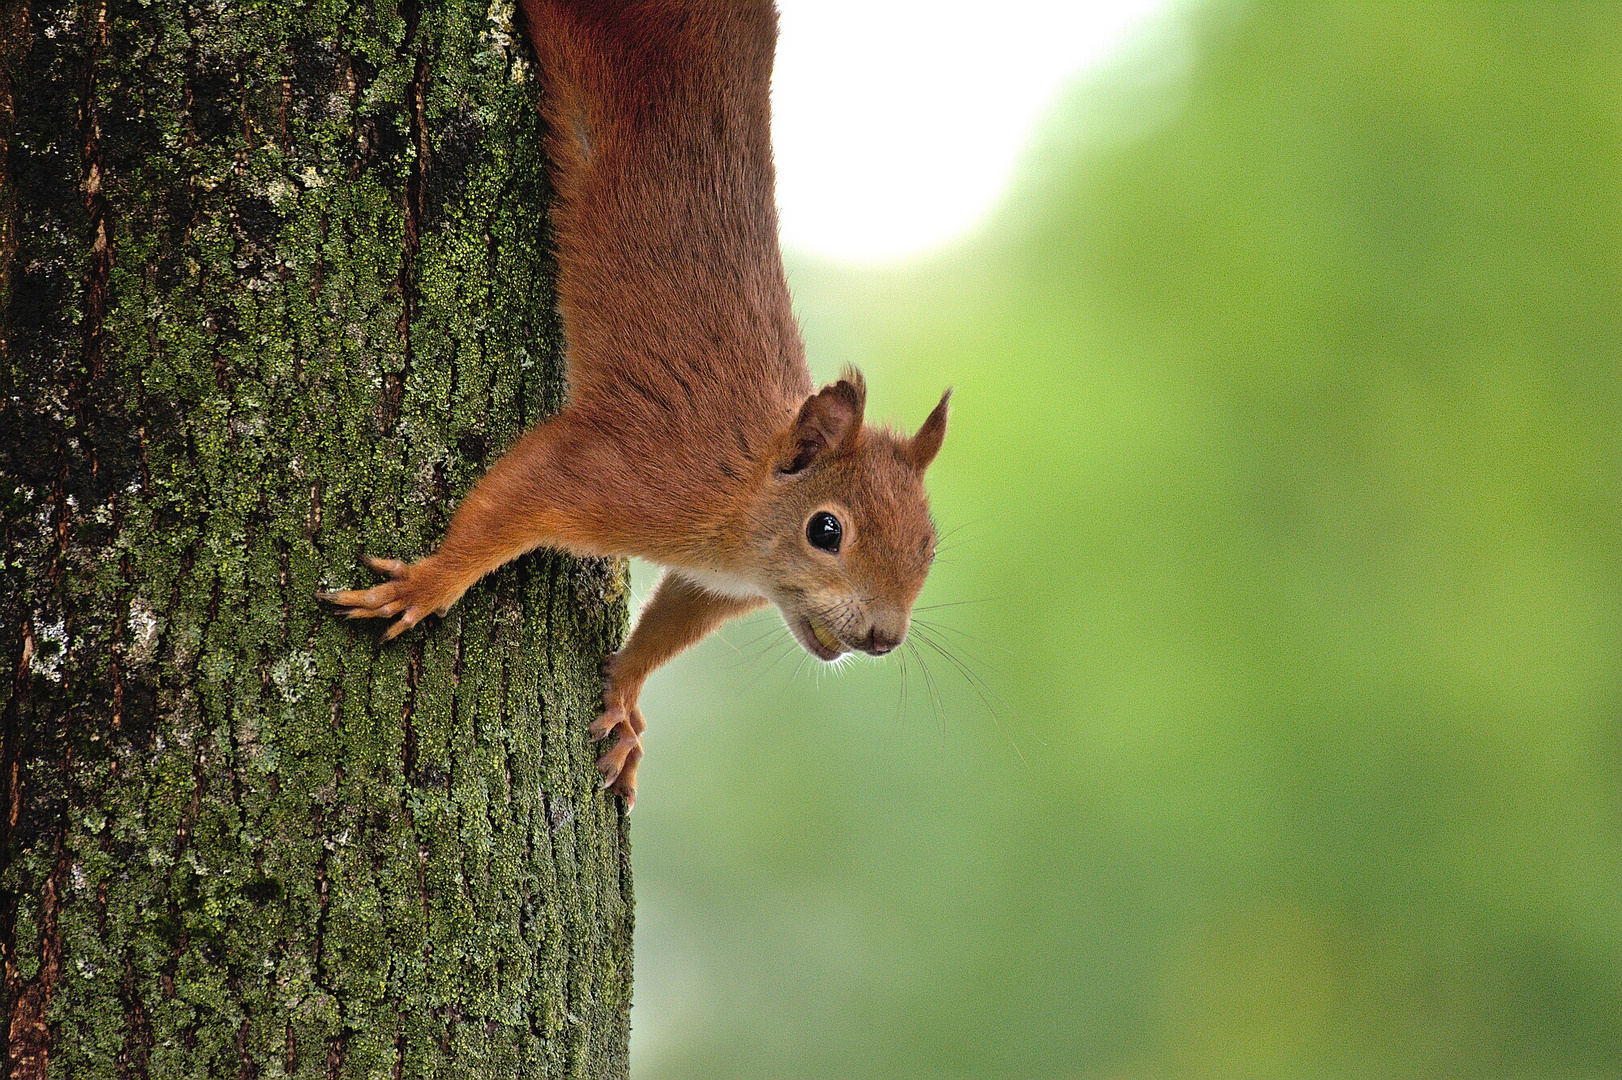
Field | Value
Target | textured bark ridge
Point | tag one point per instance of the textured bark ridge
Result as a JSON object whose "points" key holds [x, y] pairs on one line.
{"points": [[274, 288]]}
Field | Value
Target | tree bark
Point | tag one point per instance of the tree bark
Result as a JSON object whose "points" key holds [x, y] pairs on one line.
{"points": [[274, 288]]}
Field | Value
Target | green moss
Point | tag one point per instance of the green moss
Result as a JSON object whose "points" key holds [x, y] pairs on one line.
{"points": [[298, 847]]}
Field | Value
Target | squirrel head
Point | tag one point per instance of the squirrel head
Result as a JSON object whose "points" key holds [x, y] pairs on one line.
{"points": [[843, 534]]}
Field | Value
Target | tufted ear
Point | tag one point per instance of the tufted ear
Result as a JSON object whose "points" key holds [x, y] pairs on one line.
{"points": [[922, 447], [829, 420]]}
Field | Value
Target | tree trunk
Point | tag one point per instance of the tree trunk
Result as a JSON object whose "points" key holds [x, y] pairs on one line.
{"points": [[274, 288]]}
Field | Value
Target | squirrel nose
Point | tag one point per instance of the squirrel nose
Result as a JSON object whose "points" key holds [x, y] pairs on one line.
{"points": [[878, 644]]}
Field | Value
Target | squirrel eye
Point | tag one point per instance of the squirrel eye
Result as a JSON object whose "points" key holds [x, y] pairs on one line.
{"points": [[824, 531]]}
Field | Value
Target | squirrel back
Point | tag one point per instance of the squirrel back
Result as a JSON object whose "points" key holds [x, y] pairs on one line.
{"points": [[660, 137]]}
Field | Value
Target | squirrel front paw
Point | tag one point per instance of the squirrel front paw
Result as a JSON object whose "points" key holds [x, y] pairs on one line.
{"points": [[412, 592], [617, 766], [622, 719]]}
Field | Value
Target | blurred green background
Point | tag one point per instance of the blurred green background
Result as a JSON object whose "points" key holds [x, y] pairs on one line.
{"points": [[1284, 500]]}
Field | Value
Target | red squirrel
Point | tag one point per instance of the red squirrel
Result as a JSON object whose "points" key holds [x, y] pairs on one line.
{"points": [[692, 437]]}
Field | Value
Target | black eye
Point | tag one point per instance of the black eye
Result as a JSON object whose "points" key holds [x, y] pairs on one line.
{"points": [[824, 531]]}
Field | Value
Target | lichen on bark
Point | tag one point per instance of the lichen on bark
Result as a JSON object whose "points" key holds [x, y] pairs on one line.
{"points": [[275, 287]]}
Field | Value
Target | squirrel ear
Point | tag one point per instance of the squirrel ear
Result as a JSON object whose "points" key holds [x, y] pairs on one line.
{"points": [[923, 447], [828, 420]]}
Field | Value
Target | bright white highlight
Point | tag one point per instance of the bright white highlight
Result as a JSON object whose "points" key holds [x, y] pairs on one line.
{"points": [[898, 123]]}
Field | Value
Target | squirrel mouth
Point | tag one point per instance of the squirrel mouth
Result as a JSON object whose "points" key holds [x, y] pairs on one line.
{"points": [[825, 638]]}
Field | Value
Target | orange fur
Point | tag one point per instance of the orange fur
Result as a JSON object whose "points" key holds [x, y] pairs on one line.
{"points": [[692, 437]]}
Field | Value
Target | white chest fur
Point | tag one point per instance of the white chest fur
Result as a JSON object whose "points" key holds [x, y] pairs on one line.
{"points": [[720, 583]]}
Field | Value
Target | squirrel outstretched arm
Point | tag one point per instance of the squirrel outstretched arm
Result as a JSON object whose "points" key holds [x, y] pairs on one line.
{"points": [[692, 437]]}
